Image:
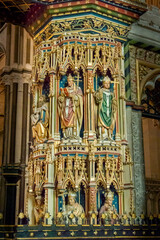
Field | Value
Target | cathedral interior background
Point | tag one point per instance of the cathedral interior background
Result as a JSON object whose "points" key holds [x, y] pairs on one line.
{"points": [[79, 119]]}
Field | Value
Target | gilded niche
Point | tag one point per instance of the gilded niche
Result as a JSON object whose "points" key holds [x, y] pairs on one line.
{"points": [[40, 121], [70, 108], [72, 211], [76, 129], [107, 106]]}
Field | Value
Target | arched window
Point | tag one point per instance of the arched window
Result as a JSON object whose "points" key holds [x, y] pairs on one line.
{"points": [[151, 138]]}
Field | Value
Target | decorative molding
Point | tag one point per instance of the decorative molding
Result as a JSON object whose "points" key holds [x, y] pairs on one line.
{"points": [[151, 19], [152, 185], [112, 30], [15, 77], [152, 195], [132, 50], [6, 79], [147, 29], [142, 64], [138, 159]]}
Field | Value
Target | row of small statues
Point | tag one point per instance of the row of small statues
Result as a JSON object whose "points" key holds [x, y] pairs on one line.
{"points": [[73, 212], [70, 109]]}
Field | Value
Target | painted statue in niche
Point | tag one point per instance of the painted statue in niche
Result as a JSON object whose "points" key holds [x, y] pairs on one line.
{"points": [[72, 212], [70, 108], [40, 121], [107, 106], [107, 210], [39, 210]]}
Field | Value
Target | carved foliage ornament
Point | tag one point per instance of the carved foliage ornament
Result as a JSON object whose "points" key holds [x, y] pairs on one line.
{"points": [[146, 61], [103, 57], [81, 24]]}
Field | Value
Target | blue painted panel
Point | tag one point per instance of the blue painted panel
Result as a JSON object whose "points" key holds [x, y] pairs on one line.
{"points": [[116, 202], [100, 198], [45, 89], [43, 117], [81, 197], [97, 81], [116, 199], [114, 133], [60, 204]]}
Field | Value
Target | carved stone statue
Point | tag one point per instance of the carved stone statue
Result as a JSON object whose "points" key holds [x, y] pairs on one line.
{"points": [[72, 210], [70, 108], [40, 121], [107, 106], [107, 210], [39, 210]]}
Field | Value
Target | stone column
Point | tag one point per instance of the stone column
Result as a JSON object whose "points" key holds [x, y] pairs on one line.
{"points": [[138, 159], [129, 197], [31, 202], [49, 185], [129, 124], [15, 77], [6, 81], [12, 174], [24, 137], [15, 139], [13, 122], [5, 157]]}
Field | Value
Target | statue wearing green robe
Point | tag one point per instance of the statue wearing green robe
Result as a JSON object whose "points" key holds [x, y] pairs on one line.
{"points": [[106, 110]]}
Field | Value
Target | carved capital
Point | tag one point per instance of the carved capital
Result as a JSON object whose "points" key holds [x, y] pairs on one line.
{"points": [[26, 78], [16, 77], [6, 79]]}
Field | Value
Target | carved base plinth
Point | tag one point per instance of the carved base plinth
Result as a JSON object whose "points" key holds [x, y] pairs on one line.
{"points": [[72, 140], [12, 174], [71, 146], [109, 142]]}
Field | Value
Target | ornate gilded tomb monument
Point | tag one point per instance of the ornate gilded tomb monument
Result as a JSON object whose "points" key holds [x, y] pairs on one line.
{"points": [[84, 173], [79, 136]]}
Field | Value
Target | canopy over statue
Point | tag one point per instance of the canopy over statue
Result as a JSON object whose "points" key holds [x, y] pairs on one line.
{"points": [[70, 108]]}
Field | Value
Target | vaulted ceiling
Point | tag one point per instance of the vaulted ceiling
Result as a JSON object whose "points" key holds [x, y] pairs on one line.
{"points": [[27, 13], [14, 10]]}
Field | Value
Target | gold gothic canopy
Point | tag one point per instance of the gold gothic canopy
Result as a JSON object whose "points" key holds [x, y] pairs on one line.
{"points": [[77, 129]]}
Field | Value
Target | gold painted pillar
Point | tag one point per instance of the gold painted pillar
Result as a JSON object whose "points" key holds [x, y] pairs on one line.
{"points": [[90, 106], [92, 182], [52, 105]]}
